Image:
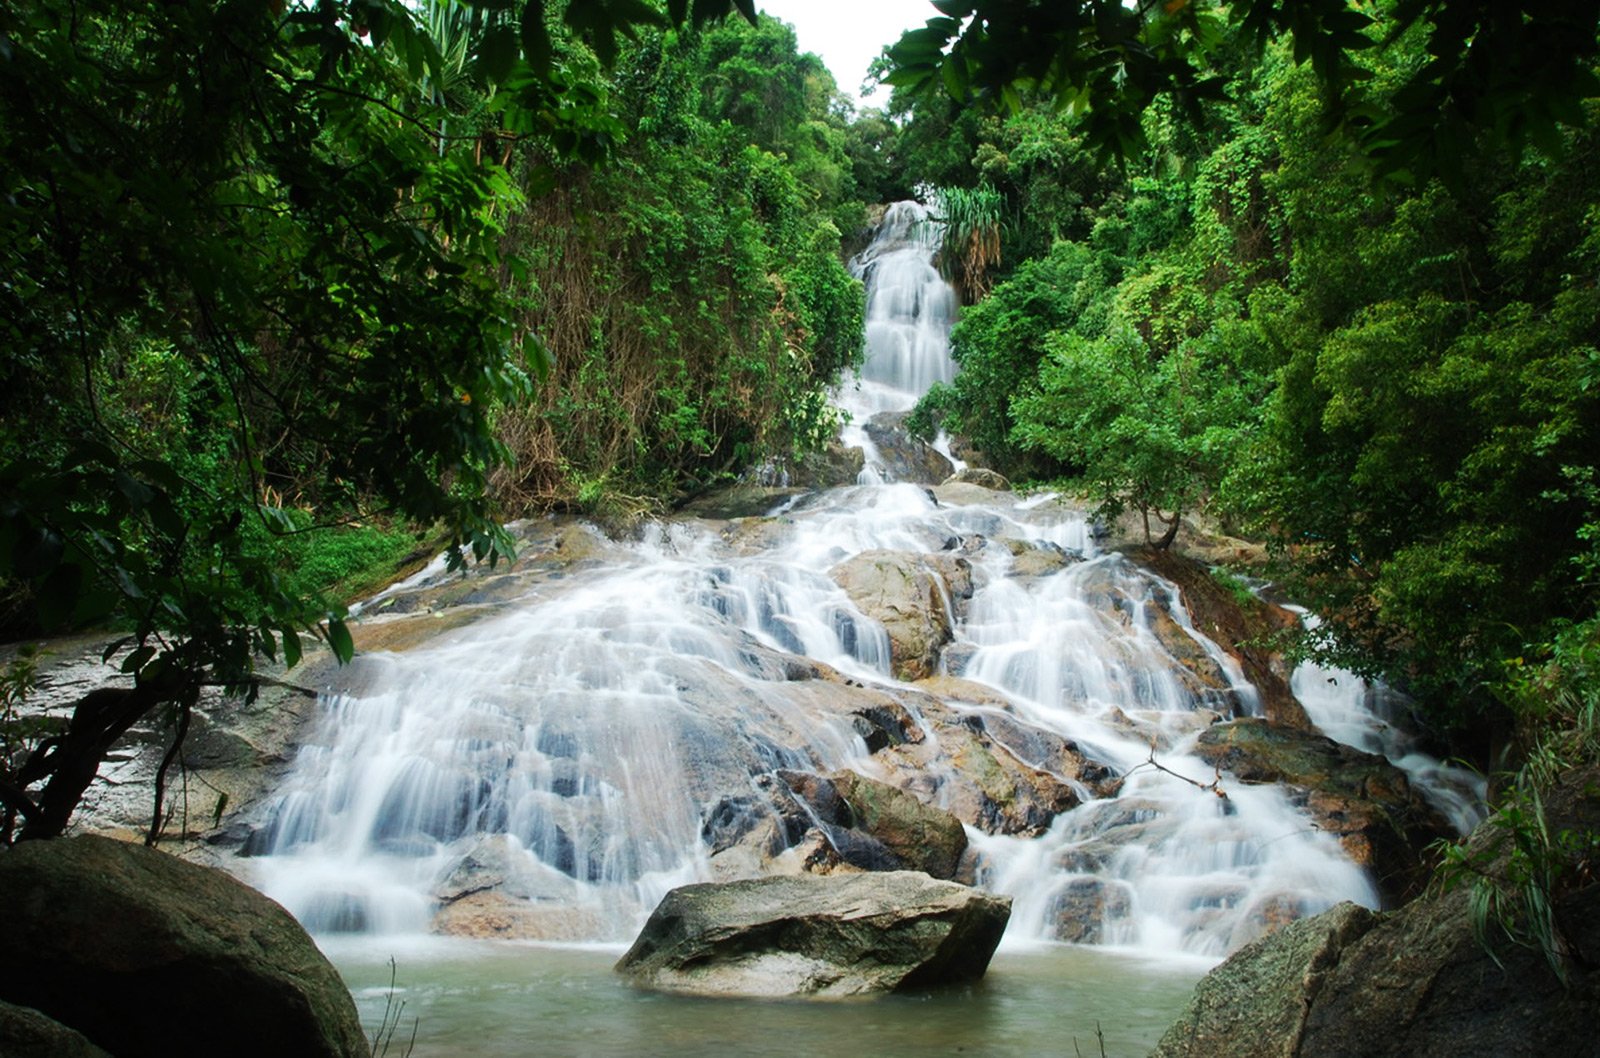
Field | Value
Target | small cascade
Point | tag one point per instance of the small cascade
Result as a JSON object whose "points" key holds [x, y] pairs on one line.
{"points": [[620, 726], [1371, 717]]}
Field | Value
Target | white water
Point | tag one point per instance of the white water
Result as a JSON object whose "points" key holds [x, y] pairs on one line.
{"points": [[602, 724], [910, 309], [1368, 716]]}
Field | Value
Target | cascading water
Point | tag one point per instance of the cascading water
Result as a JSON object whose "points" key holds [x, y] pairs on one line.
{"points": [[909, 311], [616, 727]]}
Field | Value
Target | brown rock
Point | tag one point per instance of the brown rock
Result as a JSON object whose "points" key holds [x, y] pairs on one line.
{"points": [[1244, 626], [912, 596], [1363, 799]]}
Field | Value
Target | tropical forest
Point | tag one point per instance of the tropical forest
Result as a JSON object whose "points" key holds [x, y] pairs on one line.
{"points": [[592, 528]]}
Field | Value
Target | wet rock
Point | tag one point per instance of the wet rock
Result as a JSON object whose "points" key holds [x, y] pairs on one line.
{"points": [[742, 500], [1362, 799], [957, 656], [832, 467], [981, 477], [954, 688], [1413, 983], [970, 544], [497, 915], [1034, 558], [27, 1033], [920, 837], [1241, 624], [963, 494], [827, 936], [912, 596], [1088, 910], [236, 752], [752, 536], [1045, 750], [904, 457], [148, 955], [983, 785], [876, 827]]}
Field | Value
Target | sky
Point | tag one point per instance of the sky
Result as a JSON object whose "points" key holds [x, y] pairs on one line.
{"points": [[848, 34]]}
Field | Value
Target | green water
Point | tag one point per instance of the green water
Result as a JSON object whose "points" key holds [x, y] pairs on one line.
{"points": [[497, 1000]]}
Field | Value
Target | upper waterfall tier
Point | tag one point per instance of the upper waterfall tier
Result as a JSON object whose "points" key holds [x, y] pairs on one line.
{"points": [[910, 308]]}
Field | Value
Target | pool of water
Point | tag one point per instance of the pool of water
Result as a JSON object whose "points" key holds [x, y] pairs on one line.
{"points": [[488, 1000]]}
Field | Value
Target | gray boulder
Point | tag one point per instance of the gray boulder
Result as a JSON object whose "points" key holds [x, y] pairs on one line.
{"points": [[829, 936], [146, 954]]}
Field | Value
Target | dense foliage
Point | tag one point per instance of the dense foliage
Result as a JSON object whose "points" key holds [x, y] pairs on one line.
{"points": [[691, 290], [274, 277], [1397, 385]]}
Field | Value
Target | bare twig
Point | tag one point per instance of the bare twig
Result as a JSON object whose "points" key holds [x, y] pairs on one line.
{"points": [[1214, 786]]}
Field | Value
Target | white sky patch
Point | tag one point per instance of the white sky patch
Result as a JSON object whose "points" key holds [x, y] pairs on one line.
{"points": [[848, 34]]}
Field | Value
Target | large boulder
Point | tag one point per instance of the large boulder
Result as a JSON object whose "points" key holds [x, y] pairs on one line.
{"points": [[1360, 798], [27, 1033], [904, 457], [146, 954], [1413, 983], [912, 835], [1255, 1004], [830, 936], [914, 597]]}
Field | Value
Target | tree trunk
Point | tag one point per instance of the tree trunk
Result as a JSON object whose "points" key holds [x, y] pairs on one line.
{"points": [[72, 760], [1172, 530]]}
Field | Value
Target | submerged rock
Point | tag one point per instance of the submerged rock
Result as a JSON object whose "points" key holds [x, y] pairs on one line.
{"points": [[817, 936], [145, 954]]}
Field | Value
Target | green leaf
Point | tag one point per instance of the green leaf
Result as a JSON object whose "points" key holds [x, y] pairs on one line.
{"points": [[291, 646], [137, 659], [498, 53], [955, 78], [343, 647]]}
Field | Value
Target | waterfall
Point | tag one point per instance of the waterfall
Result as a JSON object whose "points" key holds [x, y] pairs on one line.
{"points": [[909, 311], [616, 724]]}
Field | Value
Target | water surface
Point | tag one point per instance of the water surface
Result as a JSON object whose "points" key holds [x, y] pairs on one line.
{"points": [[501, 1000]]}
